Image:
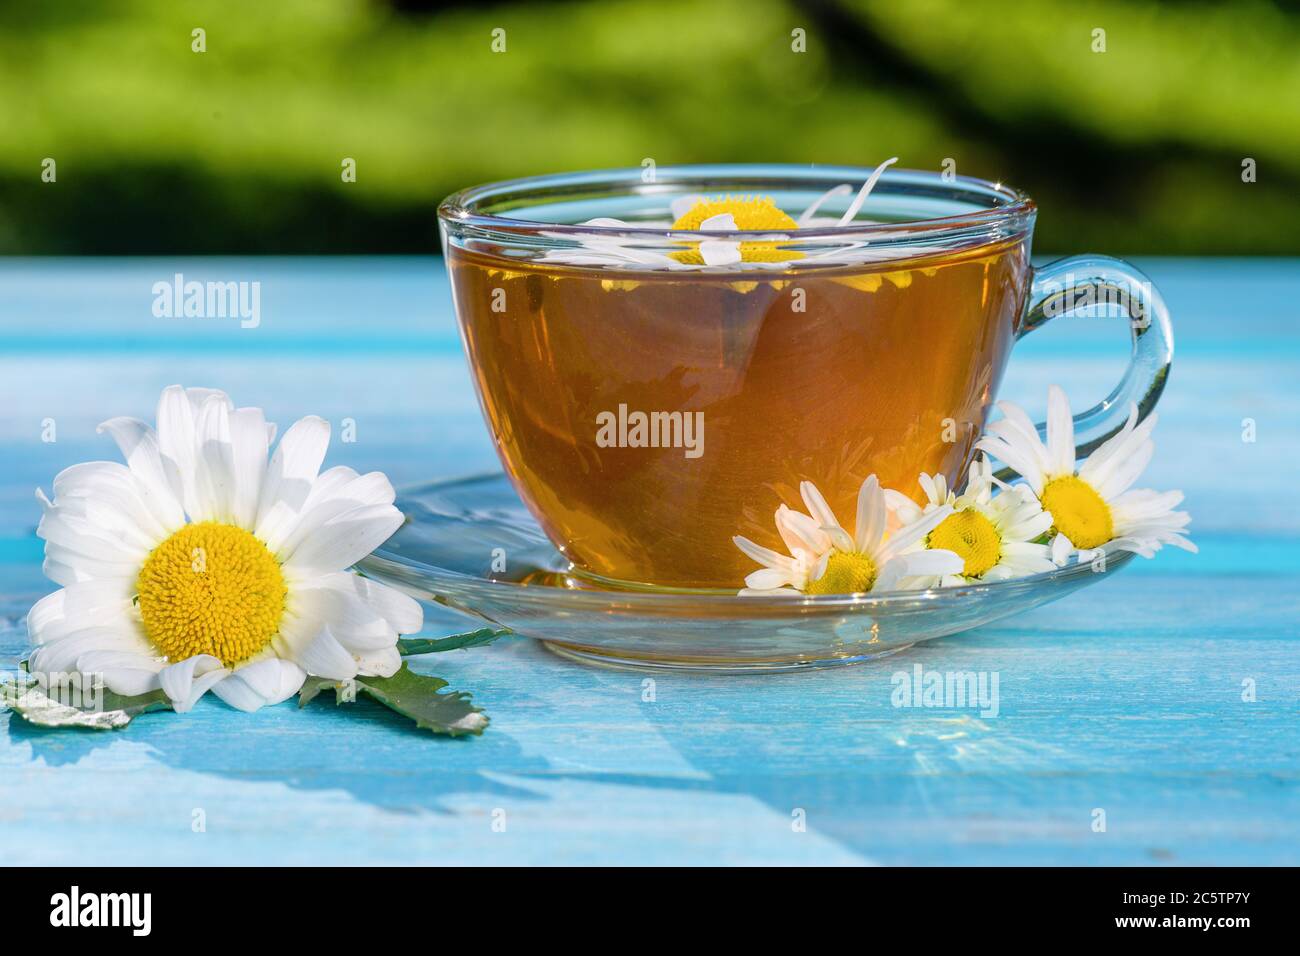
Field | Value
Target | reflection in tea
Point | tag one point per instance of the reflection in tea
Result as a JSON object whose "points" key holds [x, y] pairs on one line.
{"points": [[829, 375]]}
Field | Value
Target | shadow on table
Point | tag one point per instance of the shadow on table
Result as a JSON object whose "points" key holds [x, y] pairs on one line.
{"points": [[828, 744], [362, 749]]}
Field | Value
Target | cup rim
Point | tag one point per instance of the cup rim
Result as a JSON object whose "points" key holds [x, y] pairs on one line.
{"points": [[458, 209]]}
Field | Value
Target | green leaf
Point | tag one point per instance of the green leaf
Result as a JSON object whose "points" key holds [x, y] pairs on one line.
{"points": [[313, 686], [408, 646], [100, 708], [410, 694]]}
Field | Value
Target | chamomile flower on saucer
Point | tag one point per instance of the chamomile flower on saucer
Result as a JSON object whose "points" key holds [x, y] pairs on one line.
{"points": [[825, 559], [725, 214], [198, 565], [1093, 505], [994, 533]]}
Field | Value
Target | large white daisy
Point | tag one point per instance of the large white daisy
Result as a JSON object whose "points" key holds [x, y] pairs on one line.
{"points": [[200, 566], [1093, 505], [993, 531], [728, 214], [825, 559]]}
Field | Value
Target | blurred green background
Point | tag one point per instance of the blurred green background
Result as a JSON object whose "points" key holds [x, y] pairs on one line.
{"points": [[159, 149]]}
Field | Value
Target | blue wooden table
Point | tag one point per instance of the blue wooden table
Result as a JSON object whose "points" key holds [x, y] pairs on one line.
{"points": [[1167, 699]]}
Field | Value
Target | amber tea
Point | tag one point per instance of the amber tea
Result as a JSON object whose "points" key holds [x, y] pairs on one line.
{"points": [[646, 417]]}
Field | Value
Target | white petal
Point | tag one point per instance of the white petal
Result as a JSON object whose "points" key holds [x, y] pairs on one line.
{"points": [[249, 441], [788, 532], [78, 605], [1021, 458], [48, 612], [816, 504], [1060, 432], [722, 222], [139, 445], [267, 681], [111, 496], [85, 568], [199, 396], [931, 489], [62, 654], [65, 574], [765, 578], [384, 662], [402, 612], [1125, 473], [1014, 440], [902, 509], [817, 570], [366, 491], [929, 562], [372, 488], [324, 656], [81, 536], [1115, 451], [1141, 504], [328, 483], [177, 442], [125, 672], [291, 473], [1017, 421], [863, 193], [911, 534], [214, 478], [717, 252], [872, 514], [839, 538], [342, 542], [806, 216], [131, 681], [803, 532], [764, 556], [186, 681], [351, 620]]}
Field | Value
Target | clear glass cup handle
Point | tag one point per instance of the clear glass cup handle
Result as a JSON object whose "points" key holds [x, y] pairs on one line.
{"points": [[1079, 281]]}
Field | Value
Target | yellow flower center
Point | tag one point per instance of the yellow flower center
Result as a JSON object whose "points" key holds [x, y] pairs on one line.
{"points": [[1078, 512], [752, 213], [846, 573], [211, 588], [970, 536]]}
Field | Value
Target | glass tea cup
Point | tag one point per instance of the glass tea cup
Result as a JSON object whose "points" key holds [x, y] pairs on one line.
{"points": [[654, 391]]}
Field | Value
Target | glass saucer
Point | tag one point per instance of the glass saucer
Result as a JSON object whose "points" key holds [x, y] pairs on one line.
{"points": [[471, 545]]}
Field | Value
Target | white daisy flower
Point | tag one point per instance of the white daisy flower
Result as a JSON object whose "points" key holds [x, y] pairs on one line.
{"points": [[826, 559], [1091, 504], [200, 566], [994, 534], [728, 215]]}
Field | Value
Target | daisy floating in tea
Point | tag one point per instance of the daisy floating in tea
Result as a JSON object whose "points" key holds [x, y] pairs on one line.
{"points": [[991, 531], [728, 214]]}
